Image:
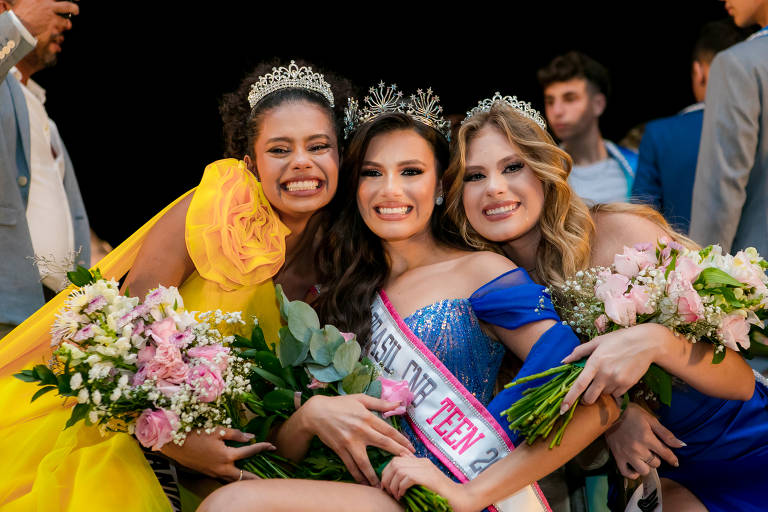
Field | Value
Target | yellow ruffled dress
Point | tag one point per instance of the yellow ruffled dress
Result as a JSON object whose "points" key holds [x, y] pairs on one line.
{"points": [[237, 244]]}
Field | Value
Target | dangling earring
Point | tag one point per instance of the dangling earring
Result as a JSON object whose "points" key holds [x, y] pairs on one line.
{"points": [[439, 200]]}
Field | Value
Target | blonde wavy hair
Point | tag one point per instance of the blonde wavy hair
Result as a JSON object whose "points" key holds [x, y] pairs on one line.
{"points": [[648, 213], [565, 222]]}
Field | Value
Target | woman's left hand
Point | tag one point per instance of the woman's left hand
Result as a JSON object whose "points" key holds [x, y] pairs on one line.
{"points": [[617, 361], [406, 471]]}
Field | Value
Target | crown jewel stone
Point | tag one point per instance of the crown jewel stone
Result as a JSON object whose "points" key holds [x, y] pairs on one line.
{"points": [[383, 99], [523, 107], [291, 77]]}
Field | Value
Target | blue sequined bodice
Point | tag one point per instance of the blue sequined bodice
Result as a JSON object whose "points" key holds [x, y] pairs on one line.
{"points": [[451, 330]]}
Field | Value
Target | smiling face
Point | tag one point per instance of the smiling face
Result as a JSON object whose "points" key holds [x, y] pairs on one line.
{"points": [[296, 158], [398, 185], [503, 199]]}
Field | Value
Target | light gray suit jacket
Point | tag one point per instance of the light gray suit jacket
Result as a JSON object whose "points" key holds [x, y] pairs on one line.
{"points": [[730, 193], [20, 290]]}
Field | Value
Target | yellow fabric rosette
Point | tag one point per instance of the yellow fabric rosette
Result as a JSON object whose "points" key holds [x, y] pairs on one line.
{"points": [[48, 468]]}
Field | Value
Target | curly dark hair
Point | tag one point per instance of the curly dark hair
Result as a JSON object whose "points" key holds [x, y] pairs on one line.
{"points": [[576, 65], [242, 124], [351, 260]]}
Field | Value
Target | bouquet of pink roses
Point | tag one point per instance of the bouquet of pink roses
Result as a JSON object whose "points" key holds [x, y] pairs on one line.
{"points": [[701, 295]]}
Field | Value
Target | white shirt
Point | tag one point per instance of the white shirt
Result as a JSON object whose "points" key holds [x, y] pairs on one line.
{"points": [[601, 182], [48, 215]]}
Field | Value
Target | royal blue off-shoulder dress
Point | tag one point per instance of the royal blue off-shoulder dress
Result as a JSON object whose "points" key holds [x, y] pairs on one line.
{"points": [[725, 460]]}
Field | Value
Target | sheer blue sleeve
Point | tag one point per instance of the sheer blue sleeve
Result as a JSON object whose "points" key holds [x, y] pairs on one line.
{"points": [[513, 300]]}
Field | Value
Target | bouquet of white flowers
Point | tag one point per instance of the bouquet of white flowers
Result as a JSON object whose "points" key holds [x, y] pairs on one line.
{"points": [[701, 295]]}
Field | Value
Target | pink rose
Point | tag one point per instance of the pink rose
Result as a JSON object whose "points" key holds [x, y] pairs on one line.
{"points": [[687, 269], [214, 354], [601, 323], [146, 354], [621, 310], [206, 381], [182, 339], [689, 306], [156, 428], [641, 296], [631, 261], [613, 285], [734, 329], [162, 331], [167, 388], [396, 391], [316, 384], [167, 364]]}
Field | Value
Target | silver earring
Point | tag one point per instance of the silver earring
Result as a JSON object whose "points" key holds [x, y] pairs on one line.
{"points": [[439, 200]]}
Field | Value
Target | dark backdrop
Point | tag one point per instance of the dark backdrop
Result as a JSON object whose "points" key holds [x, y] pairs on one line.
{"points": [[136, 90]]}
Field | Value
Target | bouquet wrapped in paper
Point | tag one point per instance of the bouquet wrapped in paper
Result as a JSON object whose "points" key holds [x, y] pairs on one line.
{"points": [[703, 296]]}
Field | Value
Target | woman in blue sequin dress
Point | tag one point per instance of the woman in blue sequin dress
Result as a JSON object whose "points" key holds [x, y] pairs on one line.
{"points": [[720, 443], [465, 306]]}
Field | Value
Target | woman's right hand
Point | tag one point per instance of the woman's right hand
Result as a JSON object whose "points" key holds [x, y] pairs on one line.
{"points": [[638, 442], [209, 454], [346, 425]]}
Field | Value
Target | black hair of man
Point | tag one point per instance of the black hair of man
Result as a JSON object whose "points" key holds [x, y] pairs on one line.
{"points": [[715, 37], [576, 65]]}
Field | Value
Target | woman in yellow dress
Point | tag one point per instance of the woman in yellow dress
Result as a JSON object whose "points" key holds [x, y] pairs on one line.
{"points": [[222, 244]]}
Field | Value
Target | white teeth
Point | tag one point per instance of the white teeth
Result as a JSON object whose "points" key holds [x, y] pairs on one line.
{"points": [[392, 211], [501, 209], [294, 186]]}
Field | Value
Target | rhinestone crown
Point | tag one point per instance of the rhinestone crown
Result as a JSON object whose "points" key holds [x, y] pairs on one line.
{"points": [[291, 77], [422, 106], [523, 107]]}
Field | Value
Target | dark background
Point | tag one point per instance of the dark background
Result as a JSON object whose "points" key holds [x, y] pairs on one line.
{"points": [[135, 92]]}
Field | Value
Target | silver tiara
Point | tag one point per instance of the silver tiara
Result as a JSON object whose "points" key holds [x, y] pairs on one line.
{"points": [[422, 106], [523, 107], [292, 77]]}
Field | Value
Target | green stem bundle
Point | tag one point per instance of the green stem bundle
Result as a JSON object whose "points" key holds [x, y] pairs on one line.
{"points": [[537, 413]]}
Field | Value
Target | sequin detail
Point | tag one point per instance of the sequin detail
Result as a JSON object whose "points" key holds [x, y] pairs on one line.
{"points": [[451, 330]]}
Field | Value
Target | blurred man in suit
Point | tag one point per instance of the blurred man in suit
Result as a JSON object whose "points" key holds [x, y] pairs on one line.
{"points": [[730, 193], [42, 216], [670, 146]]}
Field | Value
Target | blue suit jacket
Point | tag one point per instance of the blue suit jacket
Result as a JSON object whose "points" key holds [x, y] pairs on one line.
{"points": [[20, 290], [667, 166]]}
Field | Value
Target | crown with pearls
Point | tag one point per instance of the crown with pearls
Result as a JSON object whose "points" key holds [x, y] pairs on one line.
{"points": [[523, 107], [291, 77], [423, 106]]}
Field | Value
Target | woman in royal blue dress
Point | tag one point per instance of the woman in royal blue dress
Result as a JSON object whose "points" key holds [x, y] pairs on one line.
{"points": [[507, 179]]}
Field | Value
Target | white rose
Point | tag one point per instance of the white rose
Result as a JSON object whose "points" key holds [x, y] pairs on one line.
{"points": [[76, 381]]}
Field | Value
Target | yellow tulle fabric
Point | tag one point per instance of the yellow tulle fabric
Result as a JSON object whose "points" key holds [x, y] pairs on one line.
{"points": [[50, 469]]}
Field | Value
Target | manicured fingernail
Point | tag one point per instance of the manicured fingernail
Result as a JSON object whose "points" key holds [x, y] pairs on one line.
{"points": [[249, 436], [564, 409], [676, 464], [682, 444]]}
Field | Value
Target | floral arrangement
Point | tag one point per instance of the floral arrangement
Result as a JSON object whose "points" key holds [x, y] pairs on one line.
{"points": [[146, 368], [701, 295], [310, 360]]}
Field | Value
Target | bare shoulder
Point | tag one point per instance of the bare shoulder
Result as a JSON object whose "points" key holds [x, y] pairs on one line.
{"points": [[485, 266], [616, 230]]}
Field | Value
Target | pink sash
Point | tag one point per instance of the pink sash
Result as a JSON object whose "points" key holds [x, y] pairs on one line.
{"points": [[448, 419]]}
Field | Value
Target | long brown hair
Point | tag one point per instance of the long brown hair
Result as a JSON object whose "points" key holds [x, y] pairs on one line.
{"points": [[565, 223], [352, 262]]}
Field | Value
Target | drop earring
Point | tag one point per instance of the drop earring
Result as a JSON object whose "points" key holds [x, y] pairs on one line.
{"points": [[439, 200]]}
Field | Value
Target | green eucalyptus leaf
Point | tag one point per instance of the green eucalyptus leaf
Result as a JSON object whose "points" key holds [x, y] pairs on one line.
{"points": [[271, 377], [282, 300], [323, 344], [41, 392], [346, 356], [660, 383], [279, 400], [357, 381], [291, 350], [78, 413], [301, 318], [324, 373], [374, 389], [257, 338]]}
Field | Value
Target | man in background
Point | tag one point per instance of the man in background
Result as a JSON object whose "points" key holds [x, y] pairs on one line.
{"points": [[576, 90], [43, 226], [730, 193], [670, 146]]}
